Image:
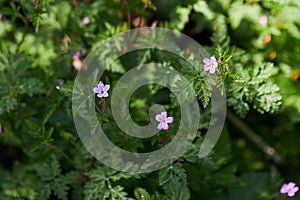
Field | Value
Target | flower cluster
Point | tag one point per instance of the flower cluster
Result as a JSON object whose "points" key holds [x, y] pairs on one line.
{"points": [[78, 54]]}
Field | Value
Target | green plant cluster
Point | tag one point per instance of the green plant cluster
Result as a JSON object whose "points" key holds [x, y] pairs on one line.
{"points": [[256, 44]]}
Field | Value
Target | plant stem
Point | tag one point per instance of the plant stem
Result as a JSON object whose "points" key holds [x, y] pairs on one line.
{"points": [[258, 140]]}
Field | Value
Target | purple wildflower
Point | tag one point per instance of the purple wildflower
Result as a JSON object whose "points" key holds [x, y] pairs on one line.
{"points": [[210, 64], [163, 121], [1, 16], [290, 189], [84, 22], [86, 34], [77, 54], [263, 20], [1, 130], [60, 81], [101, 90]]}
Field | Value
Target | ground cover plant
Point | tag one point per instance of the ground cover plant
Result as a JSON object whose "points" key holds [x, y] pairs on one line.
{"points": [[254, 46]]}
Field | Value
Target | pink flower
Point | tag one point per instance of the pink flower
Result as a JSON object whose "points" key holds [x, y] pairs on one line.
{"points": [[210, 64], [84, 22], [290, 189], [164, 120], [263, 20], [101, 90]]}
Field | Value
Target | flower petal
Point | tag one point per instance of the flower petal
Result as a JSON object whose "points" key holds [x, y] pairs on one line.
{"points": [[215, 64], [105, 94], [100, 85], [212, 70], [106, 88], [284, 189], [295, 189], [206, 61], [291, 185], [206, 67], [100, 95], [291, 194], [160, 126], [96, 90], [169, 120], [163, 115], [165, 126], [213, 59], [158, 118]]}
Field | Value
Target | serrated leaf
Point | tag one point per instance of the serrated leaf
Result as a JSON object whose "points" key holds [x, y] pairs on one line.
{"points": [[118, 193], [239, 10], [31, 86], [172, 178], [262, 72], [202, 7], [267, 98], [141, 194], [98, 186], [220, 35], [203, 91], [44, 192], [60, 188], [47, 171], [239, 106]]}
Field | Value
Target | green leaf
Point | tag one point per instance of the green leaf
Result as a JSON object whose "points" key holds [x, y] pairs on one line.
{"points": [[118, 193], [47, 171], [261, 73], [203, 91], [60, 188], [99, 186], [220, 35], [239, 10], [172, 178], [267, 98], [37, 19], [239, 106], [44, 191], [202, 7], [142, 194]]}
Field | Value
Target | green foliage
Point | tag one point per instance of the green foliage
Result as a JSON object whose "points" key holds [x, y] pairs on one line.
{"points": [[257, 186], [52, 179], [255, 89], [41, 154], [100, 186], [142, 194], [172, 179]]}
